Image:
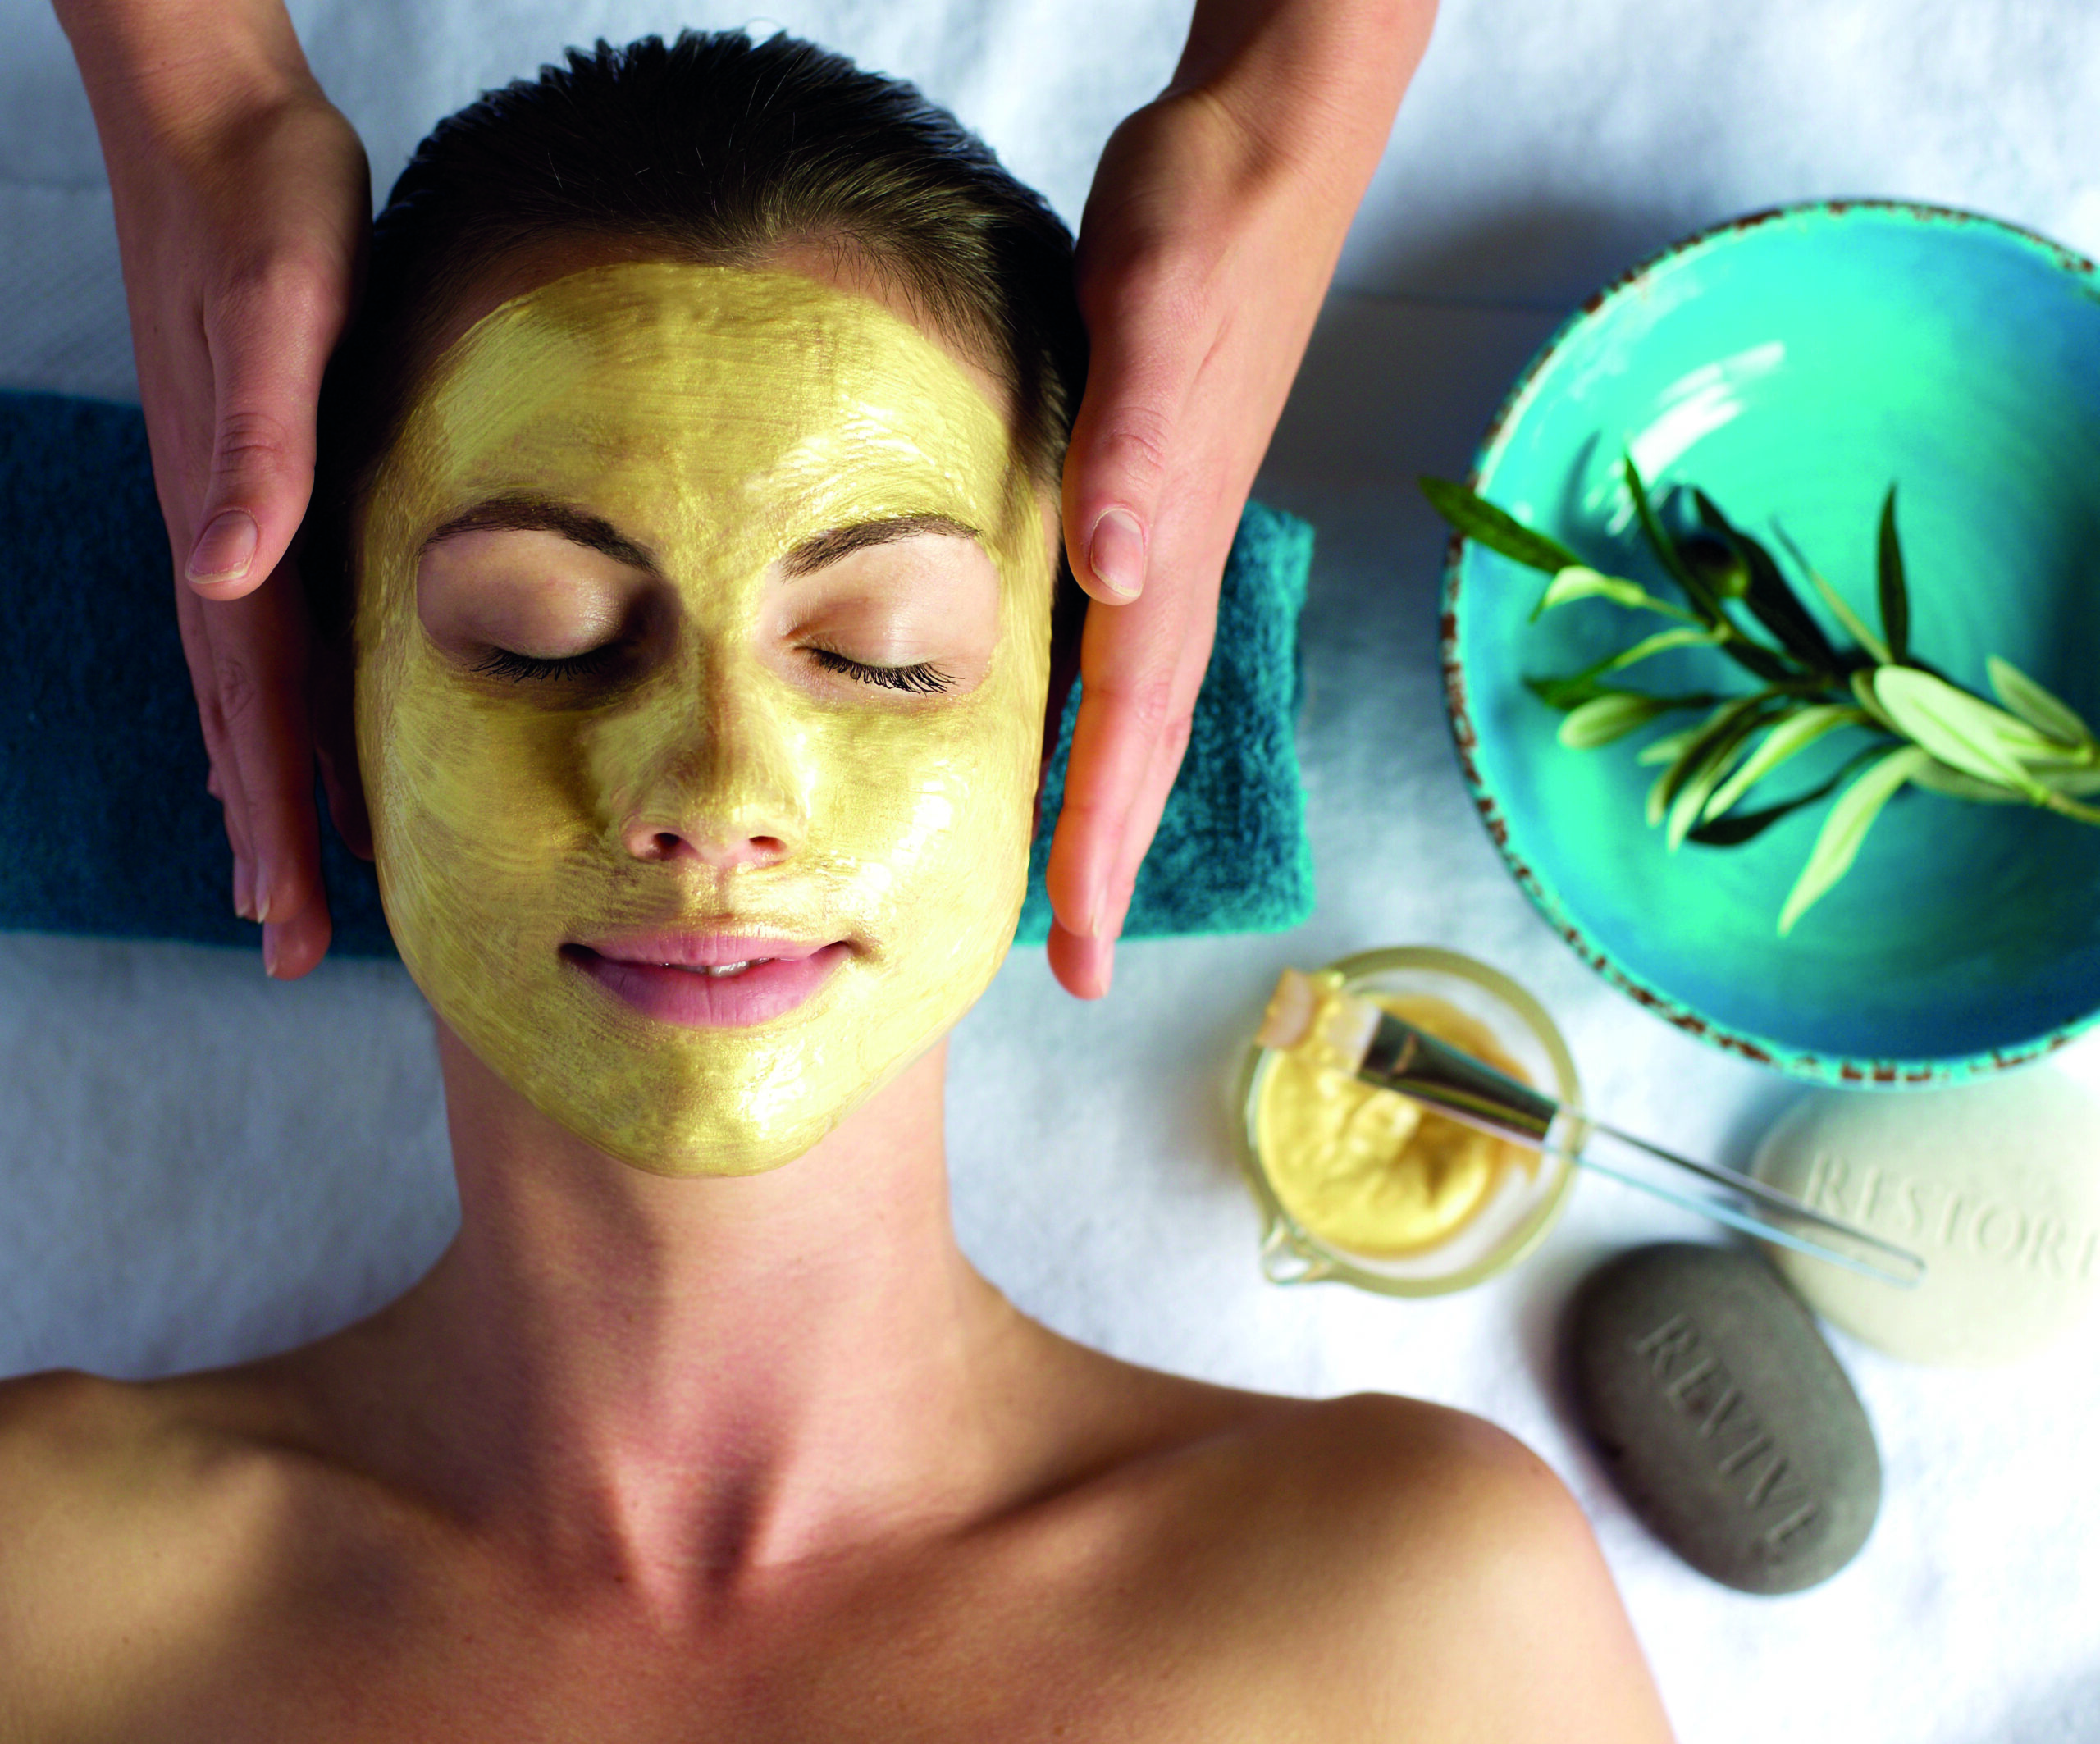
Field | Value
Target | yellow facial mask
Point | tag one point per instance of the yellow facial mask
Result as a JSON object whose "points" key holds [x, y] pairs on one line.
{"points": [[732, 512]]}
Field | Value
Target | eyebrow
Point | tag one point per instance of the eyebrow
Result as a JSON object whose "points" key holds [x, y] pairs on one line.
{"points": [[813, 554], [530, 514], [538, 515]]}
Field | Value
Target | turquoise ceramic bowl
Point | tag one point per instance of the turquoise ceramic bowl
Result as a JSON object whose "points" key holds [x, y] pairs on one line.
{"points": [[1794, 365]]}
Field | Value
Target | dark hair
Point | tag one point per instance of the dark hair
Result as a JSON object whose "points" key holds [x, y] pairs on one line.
{"points": [[721, 149]]}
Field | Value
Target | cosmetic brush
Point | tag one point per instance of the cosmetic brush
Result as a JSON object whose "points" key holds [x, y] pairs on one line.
{"points": [[1392, 1054]]}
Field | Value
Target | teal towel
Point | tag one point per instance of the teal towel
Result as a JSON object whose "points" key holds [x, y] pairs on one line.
{"points": [[1231, 855], [106, 828]]}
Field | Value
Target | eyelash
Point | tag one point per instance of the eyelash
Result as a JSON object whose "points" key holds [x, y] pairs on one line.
{"points": [[920, 680], [521, 668]]}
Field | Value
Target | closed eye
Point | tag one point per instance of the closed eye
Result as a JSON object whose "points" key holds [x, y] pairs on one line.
{"points": [[522, 668], [921, 680]]}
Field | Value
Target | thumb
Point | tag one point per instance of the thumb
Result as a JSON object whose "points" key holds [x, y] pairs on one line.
{"points": [[268, 352], [1124, 442]]}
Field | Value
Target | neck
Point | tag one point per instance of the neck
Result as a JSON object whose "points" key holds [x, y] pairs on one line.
{"points": [[677, 1381]]}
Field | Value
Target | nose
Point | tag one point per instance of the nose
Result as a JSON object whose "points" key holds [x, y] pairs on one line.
{"points": [[716, 779]]}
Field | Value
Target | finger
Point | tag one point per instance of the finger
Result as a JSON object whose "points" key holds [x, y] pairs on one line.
{"points": [[1083, 966], [269, 341], [1146, 807], [1141, 667], [1128, 662], [223, 782], [1086, 966], [259, 648], [294, 948], [1128, 436]]}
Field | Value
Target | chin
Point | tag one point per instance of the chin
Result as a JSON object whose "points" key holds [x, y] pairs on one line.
{"points": [[704, 1145], [667, 1114], [699, 1104], [683, 1103]]}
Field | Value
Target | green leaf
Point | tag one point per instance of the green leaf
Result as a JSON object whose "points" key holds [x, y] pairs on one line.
{"points": [[1668, 748], [1862, 683], [1855, 627], [1561, 693], [1737, 826], [1770, 599], [1936, 777], [1579, 581], [1754, 657], [2070, 808], [1572, 688], [1708, 734], [1569, 692], [1663, 789], [1611, 716], [1481, 521], [2058, 766], [1717, 562], [1958, 728], [1838, 845], [1703, 598], [1895, 595], [2064, 778], [1699, 785], [2049, 714], [1789, 737], [1661, 642]]}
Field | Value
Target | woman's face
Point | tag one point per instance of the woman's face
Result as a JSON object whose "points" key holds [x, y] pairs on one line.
{"points": [[702, 640]]}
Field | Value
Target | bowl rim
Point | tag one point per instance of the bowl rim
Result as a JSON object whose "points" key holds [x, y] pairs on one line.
{"points": [[1841, 1070]]}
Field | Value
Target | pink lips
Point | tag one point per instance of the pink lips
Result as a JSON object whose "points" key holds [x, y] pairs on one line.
{"points": [[665, 976]]}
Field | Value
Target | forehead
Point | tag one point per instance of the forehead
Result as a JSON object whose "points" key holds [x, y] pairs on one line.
{"points": [[708, 382]]}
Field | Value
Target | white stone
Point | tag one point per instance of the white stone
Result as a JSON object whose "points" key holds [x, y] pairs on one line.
{"points": [[1995, 1185]]}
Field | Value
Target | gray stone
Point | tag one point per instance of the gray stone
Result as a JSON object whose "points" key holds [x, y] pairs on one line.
{"points": [[1722, 1415], [1995, 1185]]}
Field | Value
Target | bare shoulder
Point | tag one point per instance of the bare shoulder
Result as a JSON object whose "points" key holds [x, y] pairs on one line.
{"points": [[127, 1515], [84, 1458], [76, 1451], [1407, 1571], [1467, 1581]]}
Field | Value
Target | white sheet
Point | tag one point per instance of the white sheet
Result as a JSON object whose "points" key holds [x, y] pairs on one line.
{"points": [[197, 1166]]}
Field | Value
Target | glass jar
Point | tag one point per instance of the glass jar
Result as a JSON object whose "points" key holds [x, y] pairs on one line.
{"points": [[1522, 1208]]}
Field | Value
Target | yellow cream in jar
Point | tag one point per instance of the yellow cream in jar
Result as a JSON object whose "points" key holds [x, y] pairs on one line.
{"points": [[1370, 1170]]}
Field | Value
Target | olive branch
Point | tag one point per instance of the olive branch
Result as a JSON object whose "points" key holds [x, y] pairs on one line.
{"points": [[1924, 729]]}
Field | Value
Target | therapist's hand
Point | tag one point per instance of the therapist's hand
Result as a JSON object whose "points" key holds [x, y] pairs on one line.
{"points": [[1213, 226], [242, 200]]}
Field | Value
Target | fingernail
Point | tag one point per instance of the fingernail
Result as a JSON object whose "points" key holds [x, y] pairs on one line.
{"points": [[225, 548], [1108, 968], [262, 892], [1116, 553], [243, 890], [270, 952]]}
